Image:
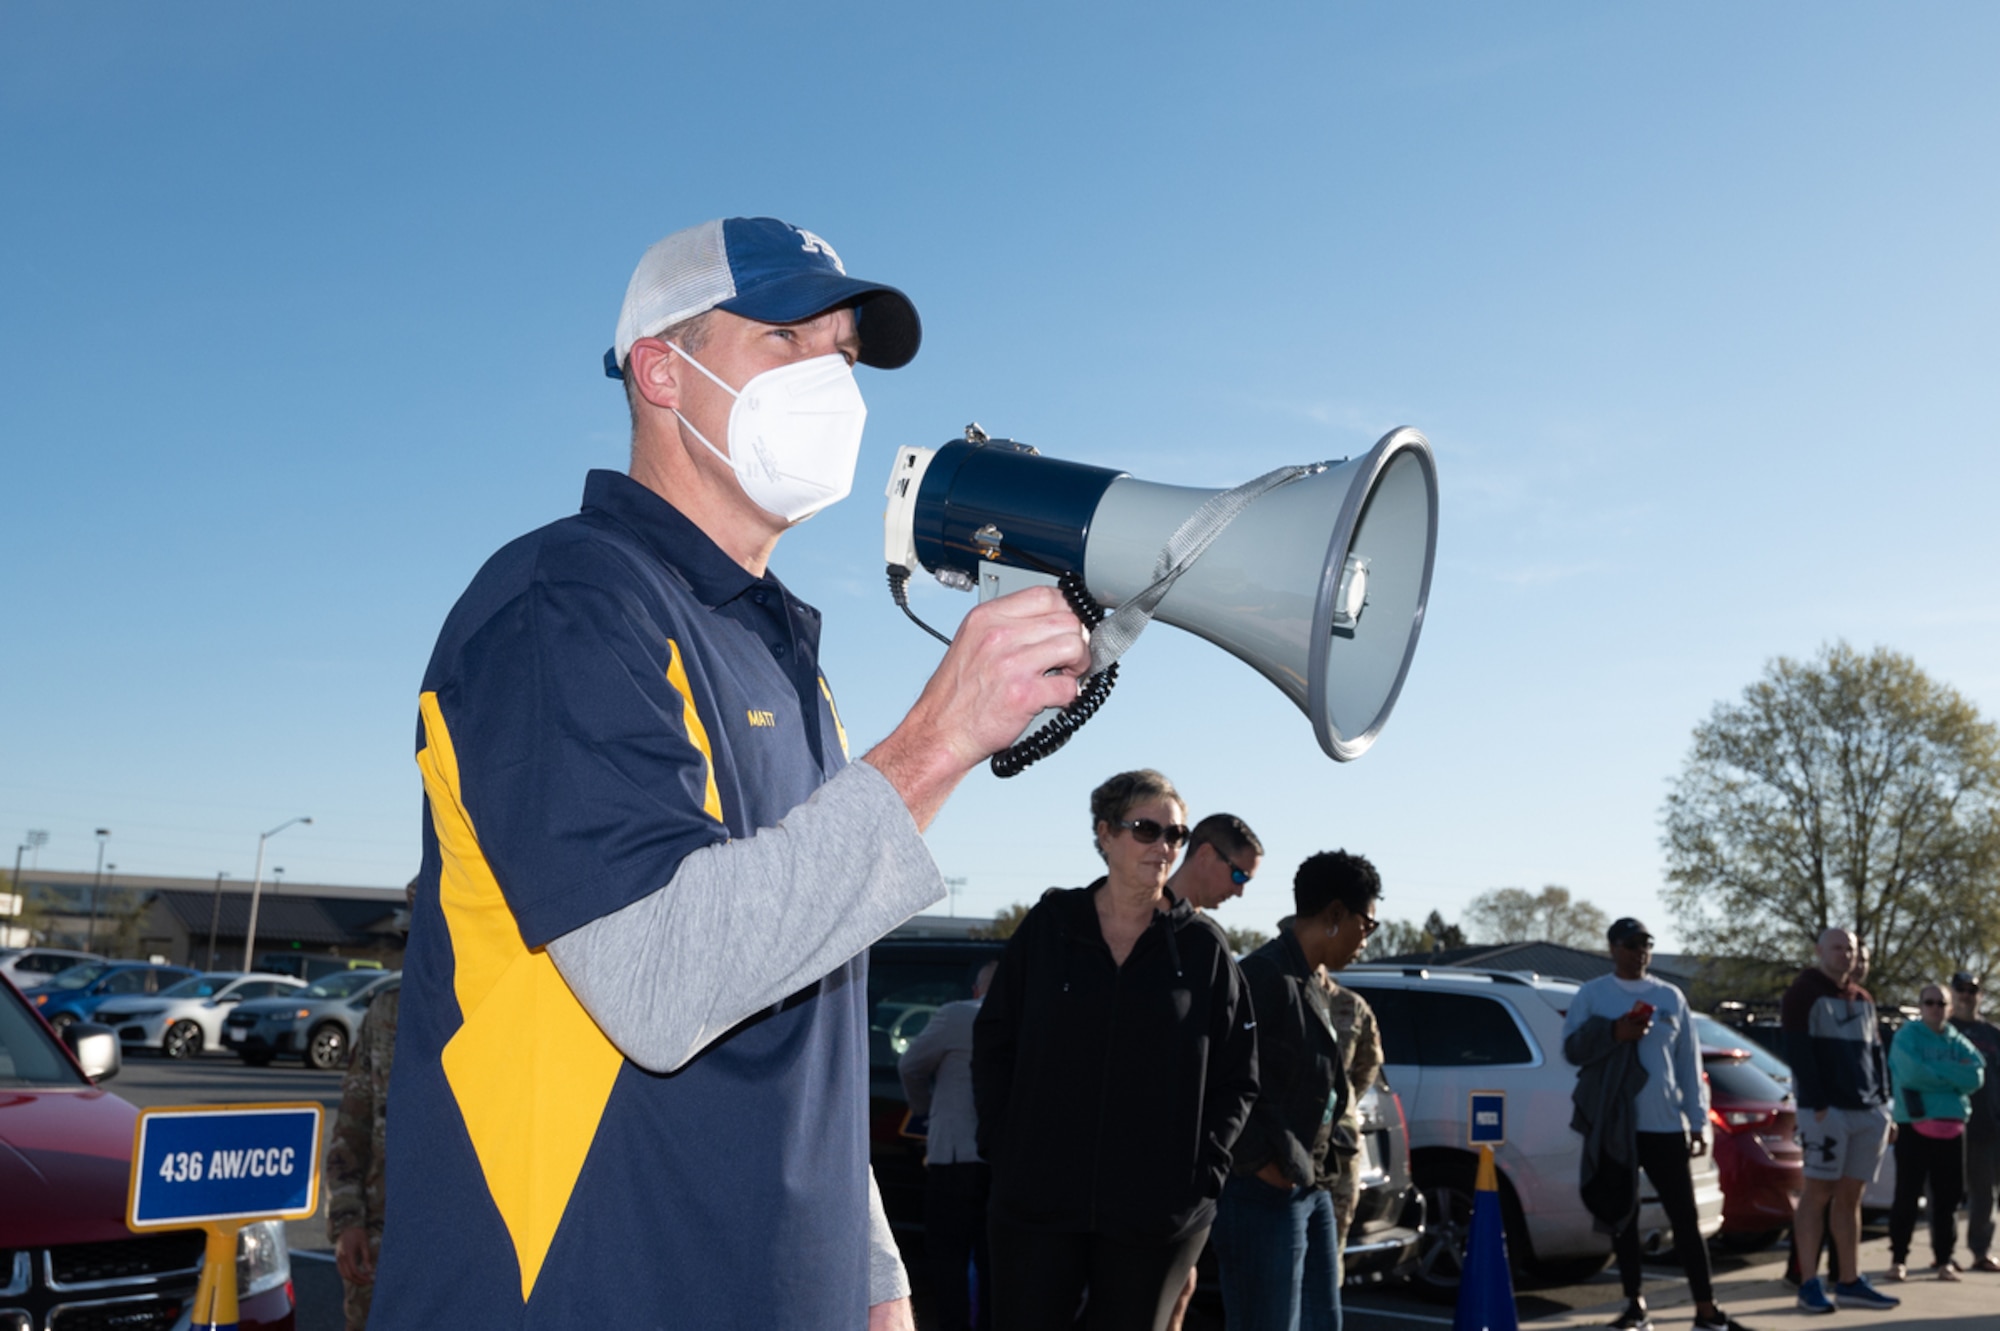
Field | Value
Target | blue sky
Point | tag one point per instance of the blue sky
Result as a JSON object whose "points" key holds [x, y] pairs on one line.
{"points": [[301, 311]]}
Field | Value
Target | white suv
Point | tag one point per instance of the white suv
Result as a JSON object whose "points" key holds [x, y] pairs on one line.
{"points": [[1450, 1032]]}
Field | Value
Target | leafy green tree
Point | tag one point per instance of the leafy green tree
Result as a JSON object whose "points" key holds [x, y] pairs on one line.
{"points": [[1850, 790], [1516, 915]]}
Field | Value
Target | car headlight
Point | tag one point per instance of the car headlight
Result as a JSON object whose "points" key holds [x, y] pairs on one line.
{"points": [[262, 1259]]}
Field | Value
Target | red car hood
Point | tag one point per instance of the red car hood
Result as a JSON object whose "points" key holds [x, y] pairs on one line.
{"points": [[65, 1163]]}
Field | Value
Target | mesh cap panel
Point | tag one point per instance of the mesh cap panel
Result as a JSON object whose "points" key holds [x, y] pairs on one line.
{"points": [[679, 277]]}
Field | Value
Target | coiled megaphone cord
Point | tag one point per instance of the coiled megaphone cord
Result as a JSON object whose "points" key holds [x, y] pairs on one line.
{"points": [[1095, 689]]}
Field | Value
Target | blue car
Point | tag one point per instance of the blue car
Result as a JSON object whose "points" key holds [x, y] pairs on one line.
{"points": [[75, 994]]}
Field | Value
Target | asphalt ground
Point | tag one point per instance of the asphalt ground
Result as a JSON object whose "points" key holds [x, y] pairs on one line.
{"points": [[1748, 1286]]}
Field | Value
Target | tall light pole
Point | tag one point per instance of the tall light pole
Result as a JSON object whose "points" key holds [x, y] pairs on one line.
{"points": [[277, 879], [90, 937], [257, 887], [215, 917], [36, 839]]}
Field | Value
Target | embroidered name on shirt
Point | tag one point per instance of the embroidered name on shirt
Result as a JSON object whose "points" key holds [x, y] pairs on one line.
{"points": [[762, 718]]}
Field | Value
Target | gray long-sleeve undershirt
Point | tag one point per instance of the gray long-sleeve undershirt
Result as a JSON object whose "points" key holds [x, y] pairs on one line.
{"points": [[743, 924]]}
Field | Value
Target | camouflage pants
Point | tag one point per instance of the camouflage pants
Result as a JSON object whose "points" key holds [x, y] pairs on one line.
{"points": [[1346, 1193], [354, 1302]]}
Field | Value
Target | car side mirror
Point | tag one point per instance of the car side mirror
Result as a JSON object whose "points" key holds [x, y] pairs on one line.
{"points": [[95, 1047]]}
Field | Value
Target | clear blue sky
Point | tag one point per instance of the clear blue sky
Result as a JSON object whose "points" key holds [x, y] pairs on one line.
{"points": [[301, 311]]}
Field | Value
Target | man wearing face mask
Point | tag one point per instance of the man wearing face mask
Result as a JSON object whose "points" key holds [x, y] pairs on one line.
{"points": [[632, 1070]]}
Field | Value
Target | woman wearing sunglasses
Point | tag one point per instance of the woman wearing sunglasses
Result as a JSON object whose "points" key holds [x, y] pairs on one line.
{"points": [[1932, 1068], [1113, 1064]]}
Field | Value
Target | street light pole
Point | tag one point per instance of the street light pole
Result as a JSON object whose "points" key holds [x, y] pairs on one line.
{"points": [[215, 917], [257, 888], [90, 937], [37, 838]]}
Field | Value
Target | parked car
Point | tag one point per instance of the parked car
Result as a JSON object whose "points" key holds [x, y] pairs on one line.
{"points": [[30, 966], [909, 979], [1757, 1152], [1448, 1033], [1714, 1034], [316, 1023], [78, 992], [65, 1163], [186, 1018]]}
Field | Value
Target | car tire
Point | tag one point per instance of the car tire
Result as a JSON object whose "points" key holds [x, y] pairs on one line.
{"points": [[62, 1021], [258, 1059], [326, 1047], [1749, 1240], [1448, 1188], [182, 1040], [1568, 1270]]}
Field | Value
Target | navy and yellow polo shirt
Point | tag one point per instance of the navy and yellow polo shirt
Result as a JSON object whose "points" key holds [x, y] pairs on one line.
{"points": [[611, 693]]}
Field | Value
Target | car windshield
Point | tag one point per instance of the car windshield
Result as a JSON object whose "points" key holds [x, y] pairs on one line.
{"points": [[341, 984], [1714, 1035], [28, 1054], [76, 977], [198, 986]]}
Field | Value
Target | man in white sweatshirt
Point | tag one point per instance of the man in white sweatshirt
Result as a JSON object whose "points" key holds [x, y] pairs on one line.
{"points": [[1669, 1112]]}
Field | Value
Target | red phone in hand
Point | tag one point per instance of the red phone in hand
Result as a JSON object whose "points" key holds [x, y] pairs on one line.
{"points": [[1643, 1011]]}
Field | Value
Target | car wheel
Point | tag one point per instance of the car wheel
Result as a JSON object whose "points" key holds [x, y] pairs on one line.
{"points": [[1448, 1189], [1569, 1270], [255, 1058], [62, 1021], [183, 1040], [326, 1047], [1447, 1225]]}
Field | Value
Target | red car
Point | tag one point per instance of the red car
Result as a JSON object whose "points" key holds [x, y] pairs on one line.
{"points": [[66, 1257], [1755, 1152]]}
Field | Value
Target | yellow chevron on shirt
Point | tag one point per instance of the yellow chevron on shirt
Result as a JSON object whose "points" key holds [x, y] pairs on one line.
{"points": [[530, 1071]]}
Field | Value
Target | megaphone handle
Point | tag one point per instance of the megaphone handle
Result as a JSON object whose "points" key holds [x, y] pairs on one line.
{"points": [[1018, 758]]}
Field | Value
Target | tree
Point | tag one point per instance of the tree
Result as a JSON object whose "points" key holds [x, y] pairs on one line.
{"points": [[1397, 938], [1851, 790], [1438, 934], [1244, 941], [1516, 915], [1004, 924]]}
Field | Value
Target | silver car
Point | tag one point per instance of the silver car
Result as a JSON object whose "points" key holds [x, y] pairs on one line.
{"points": [[184, 1019], [317, 1023]]}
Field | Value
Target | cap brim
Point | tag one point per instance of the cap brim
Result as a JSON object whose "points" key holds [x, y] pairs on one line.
{"points": [[884, 317]]}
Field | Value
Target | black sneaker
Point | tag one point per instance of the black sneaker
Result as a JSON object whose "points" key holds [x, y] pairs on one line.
{"points": [[1634, 1318], [1722, 1321]]}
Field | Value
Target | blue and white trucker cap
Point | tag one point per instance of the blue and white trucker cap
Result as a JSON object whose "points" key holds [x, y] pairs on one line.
{"points": [[762, 269]]}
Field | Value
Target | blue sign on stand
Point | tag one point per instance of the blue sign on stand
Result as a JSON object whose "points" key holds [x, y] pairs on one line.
{"points": [[208, 1164], [1487, 1118]]}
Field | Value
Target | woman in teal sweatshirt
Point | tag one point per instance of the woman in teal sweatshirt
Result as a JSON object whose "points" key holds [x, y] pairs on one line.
{"points": [[1932, 1069]]}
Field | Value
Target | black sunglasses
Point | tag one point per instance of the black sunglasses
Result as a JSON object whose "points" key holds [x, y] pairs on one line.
{"points": [[1145, 831], [1931, 1002]]}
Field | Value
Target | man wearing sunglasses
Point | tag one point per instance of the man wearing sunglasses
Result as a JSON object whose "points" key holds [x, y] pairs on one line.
{"points": [[1222, 856], [1982, 1129], [1641, 1103]]}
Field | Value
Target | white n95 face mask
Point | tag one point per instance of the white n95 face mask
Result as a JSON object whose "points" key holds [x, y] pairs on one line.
{"points": [[794, 434]]}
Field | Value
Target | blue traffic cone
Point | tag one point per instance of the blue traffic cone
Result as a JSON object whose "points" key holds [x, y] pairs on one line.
{"points": [[1485, 1286]]}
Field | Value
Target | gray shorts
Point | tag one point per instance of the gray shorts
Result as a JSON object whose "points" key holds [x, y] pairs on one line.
{"points": [[1847, 1143]]}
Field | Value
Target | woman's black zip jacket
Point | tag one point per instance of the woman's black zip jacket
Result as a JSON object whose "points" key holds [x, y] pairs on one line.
{"points": [[1109, 1096]]}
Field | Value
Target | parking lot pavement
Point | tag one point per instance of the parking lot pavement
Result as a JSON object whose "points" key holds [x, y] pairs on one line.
{"points": [[1752, 1292]]}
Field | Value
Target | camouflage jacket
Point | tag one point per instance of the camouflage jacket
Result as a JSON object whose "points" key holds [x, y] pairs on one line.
{"points": [[1360, 1041], [354, 1162]]}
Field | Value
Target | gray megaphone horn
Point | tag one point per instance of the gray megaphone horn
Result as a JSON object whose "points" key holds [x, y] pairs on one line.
{"points": [[1315, 575]]}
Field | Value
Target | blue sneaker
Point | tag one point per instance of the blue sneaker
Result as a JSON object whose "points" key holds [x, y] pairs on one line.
{"points": [[1812, 1297], [1858, 1293]]}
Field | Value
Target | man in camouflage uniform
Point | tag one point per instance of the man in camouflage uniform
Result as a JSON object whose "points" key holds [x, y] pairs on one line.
{"points": [[354, 1162], [1361, 1051]]}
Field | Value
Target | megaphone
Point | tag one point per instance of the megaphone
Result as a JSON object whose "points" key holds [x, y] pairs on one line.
{"points": [[1316, 576]]}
